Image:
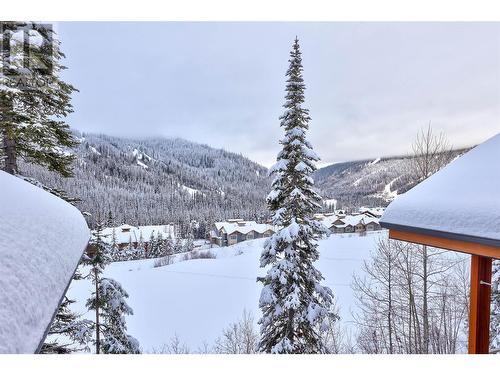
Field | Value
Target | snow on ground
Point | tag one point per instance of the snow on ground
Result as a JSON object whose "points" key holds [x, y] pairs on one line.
{"points": [[388, 193], [141, 157], [94, 150], [197, 299], [190, 191], [42, 241], [141, 164]]}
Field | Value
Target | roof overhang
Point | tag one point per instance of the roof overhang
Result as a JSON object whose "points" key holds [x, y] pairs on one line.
{"points": [[445, 240]]}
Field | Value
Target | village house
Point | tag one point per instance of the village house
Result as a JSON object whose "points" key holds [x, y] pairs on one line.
{"points": [[233, 231], [126, 235], [376, 212], [352, 223]]}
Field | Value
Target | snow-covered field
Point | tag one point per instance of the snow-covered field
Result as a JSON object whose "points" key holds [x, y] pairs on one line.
{"points": [[197, 299]]}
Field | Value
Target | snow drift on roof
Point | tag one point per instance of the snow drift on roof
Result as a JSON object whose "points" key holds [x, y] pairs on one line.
{"points": [[41, 243], [347, 220], [463, 199], [126, 233], [244, 227]]}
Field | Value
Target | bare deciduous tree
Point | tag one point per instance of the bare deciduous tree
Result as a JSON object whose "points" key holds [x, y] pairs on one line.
{"points": [[431, 152], [391, 301], [336, 338], [239, 338]]}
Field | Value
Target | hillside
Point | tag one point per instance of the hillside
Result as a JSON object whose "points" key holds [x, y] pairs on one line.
{"points": [[162, 180], [373, 182]]}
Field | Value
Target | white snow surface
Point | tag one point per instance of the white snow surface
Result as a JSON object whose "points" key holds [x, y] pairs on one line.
{"points": [[189, 190], [197, 299], [389, 194], [42, 240], [94, 150], [462, 198]]}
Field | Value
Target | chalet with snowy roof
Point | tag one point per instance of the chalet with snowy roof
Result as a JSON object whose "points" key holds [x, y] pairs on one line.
{"points": [[125, 235], [355, 223], [374, 212], [233, 231], [458, 209]]}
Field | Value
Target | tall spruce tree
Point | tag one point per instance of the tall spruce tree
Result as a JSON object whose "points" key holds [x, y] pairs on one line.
{"points": [[108, 301], [33, 99], [293, 302], [98, 257]]}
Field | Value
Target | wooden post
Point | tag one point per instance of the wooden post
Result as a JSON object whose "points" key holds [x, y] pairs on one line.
{"points": [[479, 313]]}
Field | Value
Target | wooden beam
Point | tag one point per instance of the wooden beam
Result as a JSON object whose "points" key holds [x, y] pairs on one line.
{"points": [[479, 310], [445, 243]]}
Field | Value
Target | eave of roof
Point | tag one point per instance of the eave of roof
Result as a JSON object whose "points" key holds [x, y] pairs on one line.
{"points": [[441, 234]]}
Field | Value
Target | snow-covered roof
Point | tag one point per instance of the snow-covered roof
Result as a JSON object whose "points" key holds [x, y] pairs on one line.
{"points": [[348, 220], [460, 202], [376, 211], [243, 227], [42, 240], [124, 233]]}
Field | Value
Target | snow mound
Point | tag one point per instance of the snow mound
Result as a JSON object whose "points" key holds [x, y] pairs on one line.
{"points": [[42, 240]]}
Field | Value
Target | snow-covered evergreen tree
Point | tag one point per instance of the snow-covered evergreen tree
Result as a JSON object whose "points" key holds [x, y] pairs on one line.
{"points": [[141, 240], [152, 246], [115, 253], [128, 253], [32, 123], [114, 328], [177, 245], [160, 246], [107, 301], [139, 253], [293, 302], [495, 307], [189, 242], [167, 247], [114, 243], [98, 257], [77, 331]]}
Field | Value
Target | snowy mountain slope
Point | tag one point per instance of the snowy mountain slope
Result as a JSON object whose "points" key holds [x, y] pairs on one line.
{"points": [[197, 299], [372, 182], [157, 181]]}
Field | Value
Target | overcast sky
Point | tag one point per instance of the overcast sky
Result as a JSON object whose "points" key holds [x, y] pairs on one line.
{"points": [[370, 86]]}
